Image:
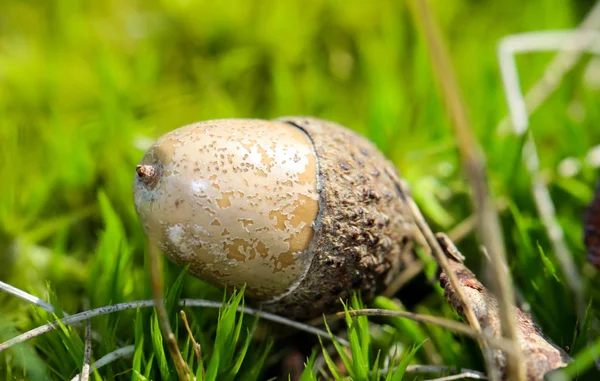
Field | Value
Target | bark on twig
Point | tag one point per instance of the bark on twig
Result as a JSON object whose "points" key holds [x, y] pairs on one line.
{"points": [[539, 355]]}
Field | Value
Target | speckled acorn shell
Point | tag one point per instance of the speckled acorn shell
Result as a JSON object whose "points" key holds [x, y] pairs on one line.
{"points": [[301, 210]]}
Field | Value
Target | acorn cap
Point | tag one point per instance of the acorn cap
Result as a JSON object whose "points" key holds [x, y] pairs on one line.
{"points": [[363, 226]]}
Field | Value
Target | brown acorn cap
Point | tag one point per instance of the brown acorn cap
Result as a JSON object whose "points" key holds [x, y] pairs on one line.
{"points": [[362, 227]]}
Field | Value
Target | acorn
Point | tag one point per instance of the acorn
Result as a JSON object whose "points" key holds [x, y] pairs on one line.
{"points": [[300, 210]]}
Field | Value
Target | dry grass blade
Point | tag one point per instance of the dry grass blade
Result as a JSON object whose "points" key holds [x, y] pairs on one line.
{"points": [[460, 376], [40, 303], [28, 297], [461, 230], [547, 212], [150, 303], [560, 65], [163, 320], [576, 41], [87, 353], [442, 369], [197, 348], [110, 357], [440, 256], [539, 356], [473, 163], [571, 44]]}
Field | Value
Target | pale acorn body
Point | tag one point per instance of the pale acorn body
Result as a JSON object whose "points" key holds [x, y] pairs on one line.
{"points": [[300, 210]]}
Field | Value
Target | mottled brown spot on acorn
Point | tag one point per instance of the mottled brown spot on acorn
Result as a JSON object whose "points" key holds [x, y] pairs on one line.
{"points": [[261, 173], [236, 249], [245, 221], [265, 158], [262, 249], [299, 239], [225, 200], [282, 261], [304, 211], [280, 219]]}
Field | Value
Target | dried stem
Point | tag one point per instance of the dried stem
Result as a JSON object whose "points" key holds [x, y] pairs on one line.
{"points": [[547, 212], [460, 376], [469, 373], [572, 45], [473, 163], [440, 256], [150, 303], [561, 64], [197, 348], [40, 303], [109, 358], [87, 352], [469, 224], [539, 355]]}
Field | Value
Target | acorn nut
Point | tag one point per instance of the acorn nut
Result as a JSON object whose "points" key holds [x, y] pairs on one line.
{"points": [[301, 210]]}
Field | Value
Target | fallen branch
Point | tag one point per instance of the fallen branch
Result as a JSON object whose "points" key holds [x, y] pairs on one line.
{"points": [[539, 355]]}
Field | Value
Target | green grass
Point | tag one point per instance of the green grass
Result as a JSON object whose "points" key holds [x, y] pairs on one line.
{"points": [[84, 86]]}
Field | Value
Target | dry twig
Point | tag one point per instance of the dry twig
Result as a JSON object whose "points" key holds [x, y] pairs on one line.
{"points": [[539, 355]]}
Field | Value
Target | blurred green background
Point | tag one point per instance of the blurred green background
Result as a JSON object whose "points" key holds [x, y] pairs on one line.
{"points": [[85, 87]]}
